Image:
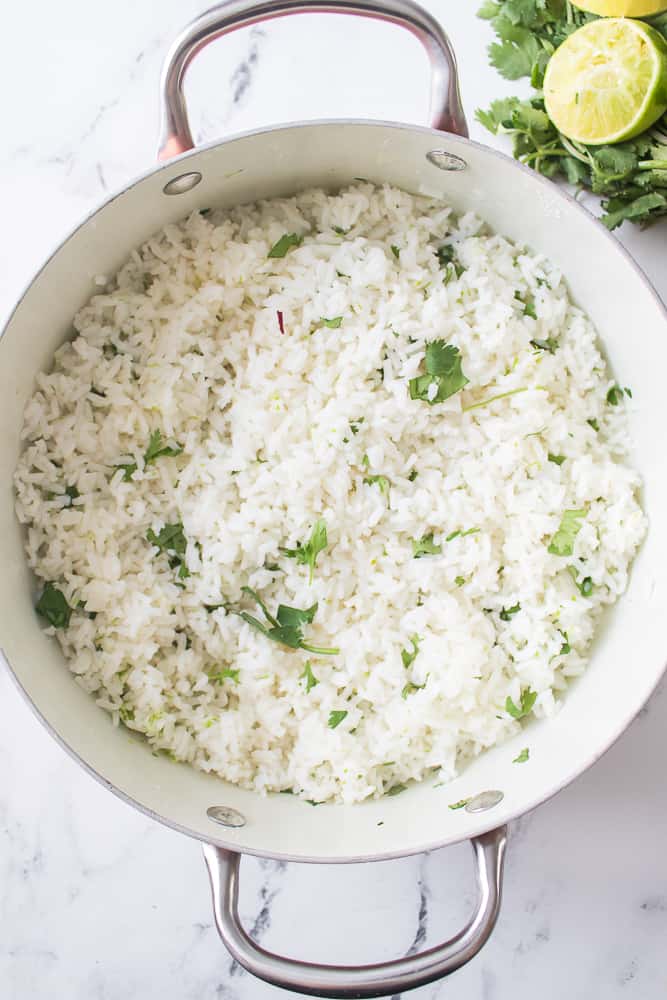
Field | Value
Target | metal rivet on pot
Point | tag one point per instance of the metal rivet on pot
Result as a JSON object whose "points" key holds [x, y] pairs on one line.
{"points": [[445, 161], [485, 800], [182, 183], [225, 816]]}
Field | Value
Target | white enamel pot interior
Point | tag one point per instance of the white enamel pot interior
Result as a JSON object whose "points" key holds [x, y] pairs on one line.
{"points": [[629, 654]]}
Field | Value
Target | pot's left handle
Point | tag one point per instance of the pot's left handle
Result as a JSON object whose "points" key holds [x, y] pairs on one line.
{"points": [[346, 982], [446, 110]]}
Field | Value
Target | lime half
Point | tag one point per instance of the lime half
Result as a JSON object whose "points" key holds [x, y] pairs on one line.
{"points": [[622, 8], [607, 81]]}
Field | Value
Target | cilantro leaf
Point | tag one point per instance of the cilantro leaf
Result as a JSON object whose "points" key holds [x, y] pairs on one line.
{"points": [[306, 554], [396, 251], [284, 244], [335, 718], [459, 581], [550, 345], [286, 627], [225, 674], [585, 586], [526, 702], [507, 614], [562, 543], [53, 607], [172, 539], [443, 372], [309, 677], [615, 395], [556, 459], [425, 546], [565, 646], [409, 656], [410, 688], [522, 757], [332, 324], [157, 448], [594, 424], [380, 481], [459, 805]]}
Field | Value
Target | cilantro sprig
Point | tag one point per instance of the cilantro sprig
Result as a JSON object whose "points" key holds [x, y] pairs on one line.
{"points": [[306, 553], [631, 176], [444, 375], [286, 627], [171, 539], [157, 448], [525, 706]]}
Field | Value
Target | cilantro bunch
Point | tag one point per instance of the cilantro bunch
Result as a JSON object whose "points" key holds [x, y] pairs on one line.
{"points": [[631, 176]]}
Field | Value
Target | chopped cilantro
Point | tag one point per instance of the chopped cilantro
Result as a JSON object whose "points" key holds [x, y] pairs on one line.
{"points": [[556, 459], [526, 702], [508, 613], [410, 688], [443, 372], [332, 324], [380, 481], [306, 554], [286, 628], [425, 546], [157, 448], [565, 646], [356, 424], [550, 344], [309, 677], [335, 718], [529, 310], [585, 587], [396, 251], [462, 534], [284, 244], [53, 606], [172, 539], [522, 757], [408, 656], [459, 805], [225, 674], [413, 475], [615, 395], [459, 581], [562, 543], [339, 231], [594, 424]]}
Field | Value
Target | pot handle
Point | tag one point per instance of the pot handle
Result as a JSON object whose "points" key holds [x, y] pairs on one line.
{"points": [[175, 136], [380, 979]]}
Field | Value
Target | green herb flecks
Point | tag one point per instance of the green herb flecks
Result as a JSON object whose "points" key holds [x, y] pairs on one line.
{"points": [[584, 586], [565, 645], [562, 543], [411, 688], [525, 707], [449, 262], [380, 481], [507, 614], [53, 607], [306, 554], [616, 394], [332, 324], [171, 539], [286, 627], [408, 656], [284, 244], [309, 677], [425, 546], [550, 345], [157, 448], [522, 757], [396, 251], [459, 581], [226, 674], [462, 534], [494, 399], [396, 789], [461, 804], [528, 307], [335, 718], [556, 459], [444, 376]]}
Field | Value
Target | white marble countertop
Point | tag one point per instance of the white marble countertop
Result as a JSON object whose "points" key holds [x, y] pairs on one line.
{"points": [[96, 901]]}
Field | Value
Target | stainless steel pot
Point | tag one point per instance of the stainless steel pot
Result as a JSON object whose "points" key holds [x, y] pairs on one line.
{"points": [[629, 655]]}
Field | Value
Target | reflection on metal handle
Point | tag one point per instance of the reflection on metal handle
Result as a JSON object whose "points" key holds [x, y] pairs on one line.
{"points": [[446, 111], [381, 979]]}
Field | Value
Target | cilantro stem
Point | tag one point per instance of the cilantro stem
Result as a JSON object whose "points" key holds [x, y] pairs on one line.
{"points": [[493, 399], [320, 650]]}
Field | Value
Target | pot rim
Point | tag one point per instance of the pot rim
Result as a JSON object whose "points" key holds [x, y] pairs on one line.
{"points": [[499, 817]]}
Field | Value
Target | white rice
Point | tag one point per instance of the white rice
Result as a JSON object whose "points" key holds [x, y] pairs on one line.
{"points": [[186, 341]]}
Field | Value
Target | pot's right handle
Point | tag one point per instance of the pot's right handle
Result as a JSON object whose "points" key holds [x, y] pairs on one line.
{"points": [[346, 982], [446, 111]]}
